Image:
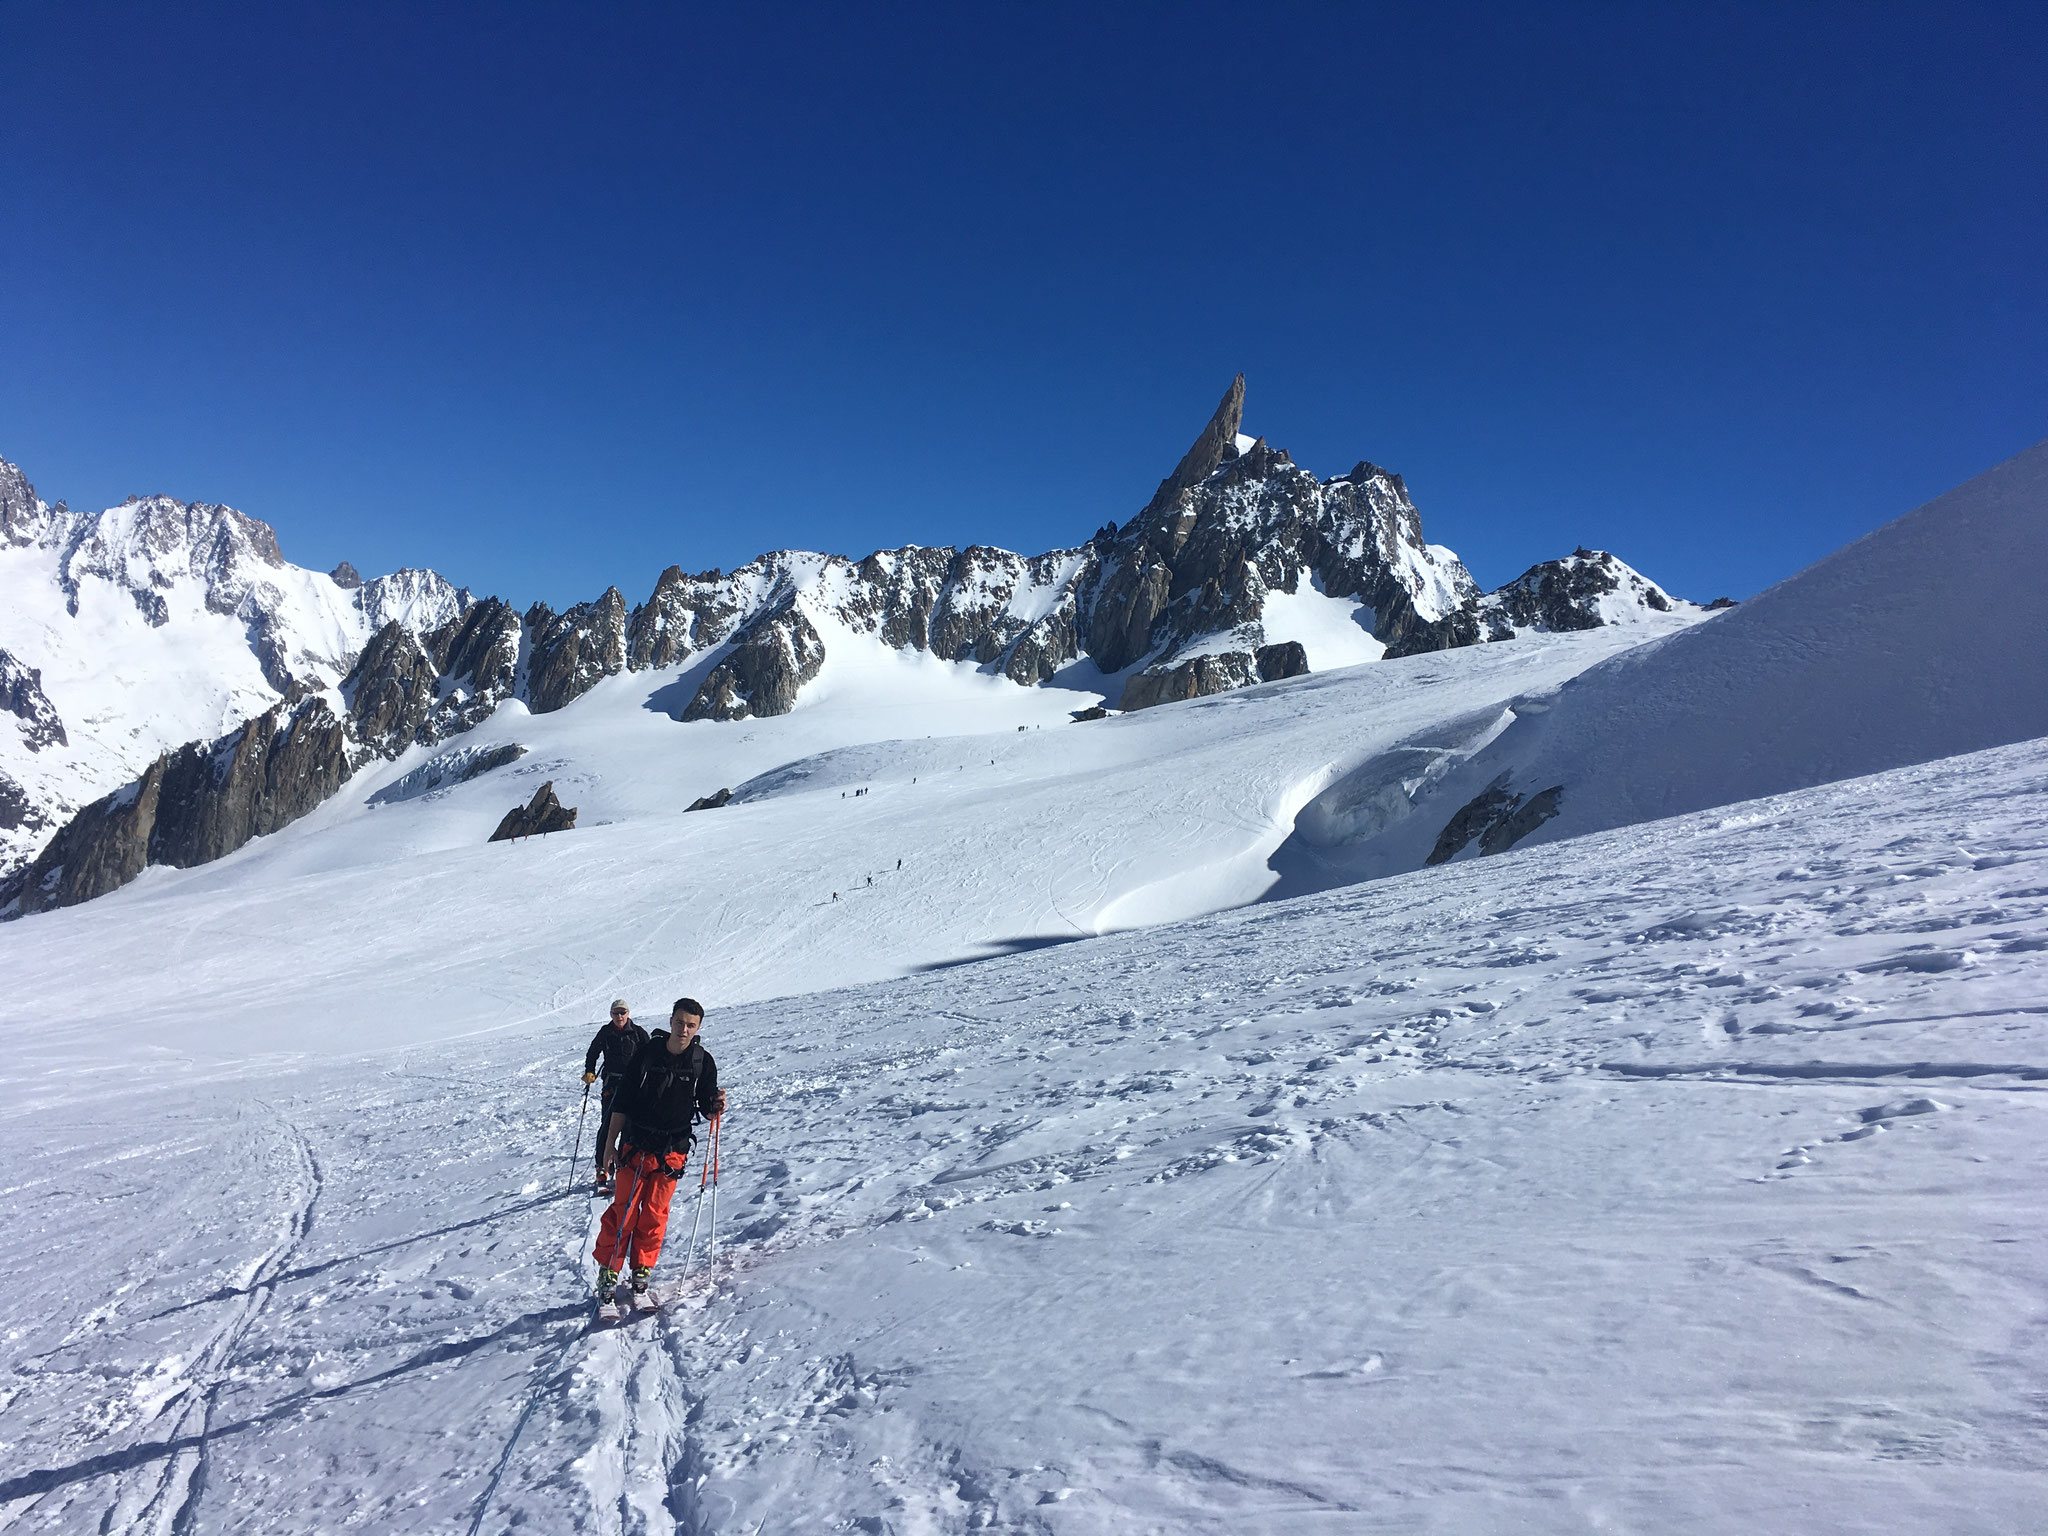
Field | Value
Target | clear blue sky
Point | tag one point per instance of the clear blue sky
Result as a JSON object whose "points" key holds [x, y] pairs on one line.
{"points": [[549, 297]]}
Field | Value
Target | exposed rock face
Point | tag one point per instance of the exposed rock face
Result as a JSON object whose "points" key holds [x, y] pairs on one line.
{"points": [[572, 652], [710, 802], [345, 575], [17, 811], [1218, 672], [216, 797], [773, 657], [542, 814], [99, 850], [391, 691], [208, 798], [1217, 442], [1498, 817], [24, 518], [21, 695], [478, 655], [1587, 589], [1287, 659]]}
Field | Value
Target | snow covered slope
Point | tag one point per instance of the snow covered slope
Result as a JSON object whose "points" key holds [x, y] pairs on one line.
{"points": [[1006, 837], [156, 623], [1924, 639], [1682, 1178]]}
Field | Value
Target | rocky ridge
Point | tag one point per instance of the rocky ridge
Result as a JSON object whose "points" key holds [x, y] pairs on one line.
{"points": [[1171, 605], [1585, 590], [136, 630]]}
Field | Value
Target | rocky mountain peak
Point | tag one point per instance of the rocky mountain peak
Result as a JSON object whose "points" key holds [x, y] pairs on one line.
{"points": [[345, 575], [1217, 442], [24, 517]]}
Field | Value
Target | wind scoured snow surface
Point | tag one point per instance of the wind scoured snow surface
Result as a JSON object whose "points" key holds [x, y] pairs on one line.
{"points": [[1678, 1178], [1925, 638]]}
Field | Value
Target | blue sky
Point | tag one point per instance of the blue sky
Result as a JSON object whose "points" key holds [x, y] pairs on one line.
{"points": [[550, 297]]}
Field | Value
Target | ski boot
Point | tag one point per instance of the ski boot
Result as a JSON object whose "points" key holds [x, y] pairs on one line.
{"points": [[607, 1294], [644, 1299]]}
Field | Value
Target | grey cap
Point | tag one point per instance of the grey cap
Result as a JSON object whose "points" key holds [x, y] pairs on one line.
{"points": [[619, 1005]]}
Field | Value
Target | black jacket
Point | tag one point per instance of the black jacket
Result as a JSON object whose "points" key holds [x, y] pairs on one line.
{"points": [[618, 1047], [661, 1094]]}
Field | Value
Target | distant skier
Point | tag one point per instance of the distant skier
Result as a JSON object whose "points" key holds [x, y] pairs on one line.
{"points": [[647, 1139], [617, 1043]]}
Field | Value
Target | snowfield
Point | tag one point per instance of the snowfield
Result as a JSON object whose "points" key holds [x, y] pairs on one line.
{"points": [[1683, 1177], [1100, 1160]]}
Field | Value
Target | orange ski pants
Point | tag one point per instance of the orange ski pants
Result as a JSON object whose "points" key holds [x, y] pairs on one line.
{"points": [[637, 1218]]}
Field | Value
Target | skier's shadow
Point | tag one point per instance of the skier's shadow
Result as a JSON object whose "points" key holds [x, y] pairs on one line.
{"points": [[44, 1479], [306, 1271]]}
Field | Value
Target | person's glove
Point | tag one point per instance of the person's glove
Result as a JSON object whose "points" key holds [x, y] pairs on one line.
{"points": [[721, 1103], [590, 1077]]}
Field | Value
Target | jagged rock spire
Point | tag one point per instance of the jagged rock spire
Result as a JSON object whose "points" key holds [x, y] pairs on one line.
{"points": [[1217, 442]]}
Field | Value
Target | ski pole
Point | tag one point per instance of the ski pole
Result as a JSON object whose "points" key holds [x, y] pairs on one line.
{"points": [[711, 1246], [576, 1156], [706, 1170], [622, 1238]]}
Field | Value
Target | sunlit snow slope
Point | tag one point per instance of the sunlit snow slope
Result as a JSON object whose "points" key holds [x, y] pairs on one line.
{"points": [[1926, 638], [1683, 1178], [400, 920]]}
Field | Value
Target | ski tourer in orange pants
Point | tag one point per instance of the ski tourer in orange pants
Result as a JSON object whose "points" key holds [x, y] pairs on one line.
{"points": [[637, 1219], [671, 1083]]}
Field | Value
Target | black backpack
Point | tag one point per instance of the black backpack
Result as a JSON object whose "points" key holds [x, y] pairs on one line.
{"points": [[661, 1080]]}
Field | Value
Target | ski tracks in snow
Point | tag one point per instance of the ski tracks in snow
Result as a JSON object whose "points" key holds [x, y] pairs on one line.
{"points": [[157, 1483]]}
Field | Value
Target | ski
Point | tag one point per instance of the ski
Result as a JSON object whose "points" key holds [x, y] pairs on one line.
{"points": [[608, 1311], [646, 1301]]}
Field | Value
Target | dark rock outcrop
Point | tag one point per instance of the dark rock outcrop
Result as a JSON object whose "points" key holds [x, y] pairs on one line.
{"points": [[1092, 712], [24, 518], [1218, 672], [217, 796], [1498, 817], [22, 696], [1721, 602], [569, 654], [772, 658], [710, 802], [1217, 442], [1287, 659], [99, 850], [540, 815], [391, 691], [17, 811], [346, 575], [478, 656]]}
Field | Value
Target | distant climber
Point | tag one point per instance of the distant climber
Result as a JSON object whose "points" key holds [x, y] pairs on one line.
{"points": [[671, 1083], [617, 1043]]}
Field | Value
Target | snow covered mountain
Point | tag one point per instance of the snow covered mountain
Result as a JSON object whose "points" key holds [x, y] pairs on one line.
{"points": [[126, 633], [1243, 568]]}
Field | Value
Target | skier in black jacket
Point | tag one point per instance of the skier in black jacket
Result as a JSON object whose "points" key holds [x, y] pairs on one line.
{"points": [[647, 1138], [617, 1043]]}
